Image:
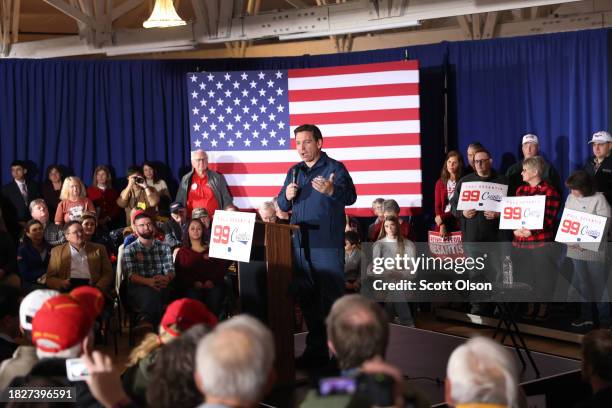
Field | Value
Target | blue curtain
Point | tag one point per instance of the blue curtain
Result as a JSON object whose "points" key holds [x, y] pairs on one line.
{"points": [[552, 85], [84, 113]]}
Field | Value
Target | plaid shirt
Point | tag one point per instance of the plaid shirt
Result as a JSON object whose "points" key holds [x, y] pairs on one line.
{"points": [[54, 234], [148, 262], [551, 209]]}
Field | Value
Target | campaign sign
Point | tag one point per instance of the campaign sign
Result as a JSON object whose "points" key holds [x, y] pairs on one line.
{"points": [[522, 212], [450, 246], [232, 235], [481, 196], [578, 226]]}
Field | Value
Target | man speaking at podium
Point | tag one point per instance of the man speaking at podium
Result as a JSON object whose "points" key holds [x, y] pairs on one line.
{"points": [[316, 190]]}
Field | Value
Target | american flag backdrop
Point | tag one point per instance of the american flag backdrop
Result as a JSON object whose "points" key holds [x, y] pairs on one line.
{"points": [[368, 114]]}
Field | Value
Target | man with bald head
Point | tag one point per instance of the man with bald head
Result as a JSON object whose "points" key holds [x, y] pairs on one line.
{"points": [[203, 187]]}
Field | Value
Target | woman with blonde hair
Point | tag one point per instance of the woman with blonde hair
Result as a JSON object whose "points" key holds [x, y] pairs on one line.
{"points": [[74, 201]]}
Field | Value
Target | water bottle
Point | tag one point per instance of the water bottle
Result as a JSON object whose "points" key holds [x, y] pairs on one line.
{"points": [[508, 277]]}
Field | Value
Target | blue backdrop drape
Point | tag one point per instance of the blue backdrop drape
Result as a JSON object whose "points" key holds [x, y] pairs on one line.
{"points": [[84, 113]]}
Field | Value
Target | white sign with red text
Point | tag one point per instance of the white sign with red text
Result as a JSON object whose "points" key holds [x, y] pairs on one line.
{"points": [[522, 212], [231, 235], [578, 226], [481, 196]]}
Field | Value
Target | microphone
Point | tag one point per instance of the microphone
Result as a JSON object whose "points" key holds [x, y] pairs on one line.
{"points": [[294, 175]]}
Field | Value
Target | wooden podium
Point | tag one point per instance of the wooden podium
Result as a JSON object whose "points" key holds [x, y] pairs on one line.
{"points": [[264, 290]]}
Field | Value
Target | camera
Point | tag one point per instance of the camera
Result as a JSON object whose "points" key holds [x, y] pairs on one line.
{"points": [[139, 180]]}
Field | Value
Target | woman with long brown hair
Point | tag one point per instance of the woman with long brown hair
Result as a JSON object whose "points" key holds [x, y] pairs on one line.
{"points": [[445, 188]]}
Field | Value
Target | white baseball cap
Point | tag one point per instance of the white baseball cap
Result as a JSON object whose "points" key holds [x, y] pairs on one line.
{"points": [[31, 304], [530, 138], [601, 137]]}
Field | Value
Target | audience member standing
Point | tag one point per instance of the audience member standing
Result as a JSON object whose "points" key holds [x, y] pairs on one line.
{"points": [[531, 148], [450, 175], [600, 166], [74, 201], [51, 188], [471, 150], [590, 277], [377, 210], [138, 195], [203, 187], [17, 195], [104, 198]]}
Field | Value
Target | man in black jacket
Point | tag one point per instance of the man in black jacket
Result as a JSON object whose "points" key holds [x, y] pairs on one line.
{"points": [[600, 166], [9, 320], [17, 197]]}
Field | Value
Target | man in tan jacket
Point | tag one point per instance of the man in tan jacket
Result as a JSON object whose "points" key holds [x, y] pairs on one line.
{"points": [[78, 262]]}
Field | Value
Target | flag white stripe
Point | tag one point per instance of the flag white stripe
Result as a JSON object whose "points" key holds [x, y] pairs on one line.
{"points": [[369, 128], [359, 177], [364, 201], [348, 80], [290, 156], [354, 104]]}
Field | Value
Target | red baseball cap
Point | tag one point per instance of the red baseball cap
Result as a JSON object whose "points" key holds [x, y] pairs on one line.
{"points": [[61, 323], [185, 313], [90, 298]]}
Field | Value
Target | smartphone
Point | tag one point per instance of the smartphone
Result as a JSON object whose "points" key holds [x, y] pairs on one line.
{"points": [[337, 386], [76, 370]]}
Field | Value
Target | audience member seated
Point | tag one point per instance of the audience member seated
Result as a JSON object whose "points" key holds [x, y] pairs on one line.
{"points": [[9, 320], [104, 198], [203, 188], [354, 265], [202, 215], [91, 233], [149, 171], [33, 257], [479, 372], [590, 275], [138, 195], [63, 329], [391, 209], [24, 357], [597, 368], [377, 210], [180, 315], [53, 233], [172, 381], [78, 263], [351, 224], [234, 363], [51, 188], [175, 228], [18, 194], [267, 212], [358, 336], [444, 191], [391, 244], [197, 275], [8, 259], [149, 267], [74, 201]]}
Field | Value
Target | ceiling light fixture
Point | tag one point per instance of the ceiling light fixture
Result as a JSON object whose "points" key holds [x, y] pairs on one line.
{"points": [[163, 15]]}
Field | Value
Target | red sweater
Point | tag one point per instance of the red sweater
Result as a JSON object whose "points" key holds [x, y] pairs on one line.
{"points": [[192, 266], [440, 202], [106, 200]]}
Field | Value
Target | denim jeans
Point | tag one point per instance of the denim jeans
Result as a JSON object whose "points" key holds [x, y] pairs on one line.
{"points": [[590, 279]]}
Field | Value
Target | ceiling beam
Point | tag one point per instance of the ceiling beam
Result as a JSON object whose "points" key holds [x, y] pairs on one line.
{"points": [[73, 12], [465, 27], [490, 24]]}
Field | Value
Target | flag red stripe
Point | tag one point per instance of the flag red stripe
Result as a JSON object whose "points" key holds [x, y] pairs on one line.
{"points": [[370, 91], [400, 139], [362, 189], [355, 116], [353, 69], [367, 212], [351, 165]]}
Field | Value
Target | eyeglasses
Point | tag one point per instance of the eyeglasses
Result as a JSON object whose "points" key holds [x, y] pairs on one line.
{"points": [[483, 161], [77, 232]]}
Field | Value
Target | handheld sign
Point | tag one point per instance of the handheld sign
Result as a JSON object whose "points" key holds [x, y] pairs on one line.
{"points": [[481, 196], [581, 227], [522, 212], [232, 235], [450, 246]]}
